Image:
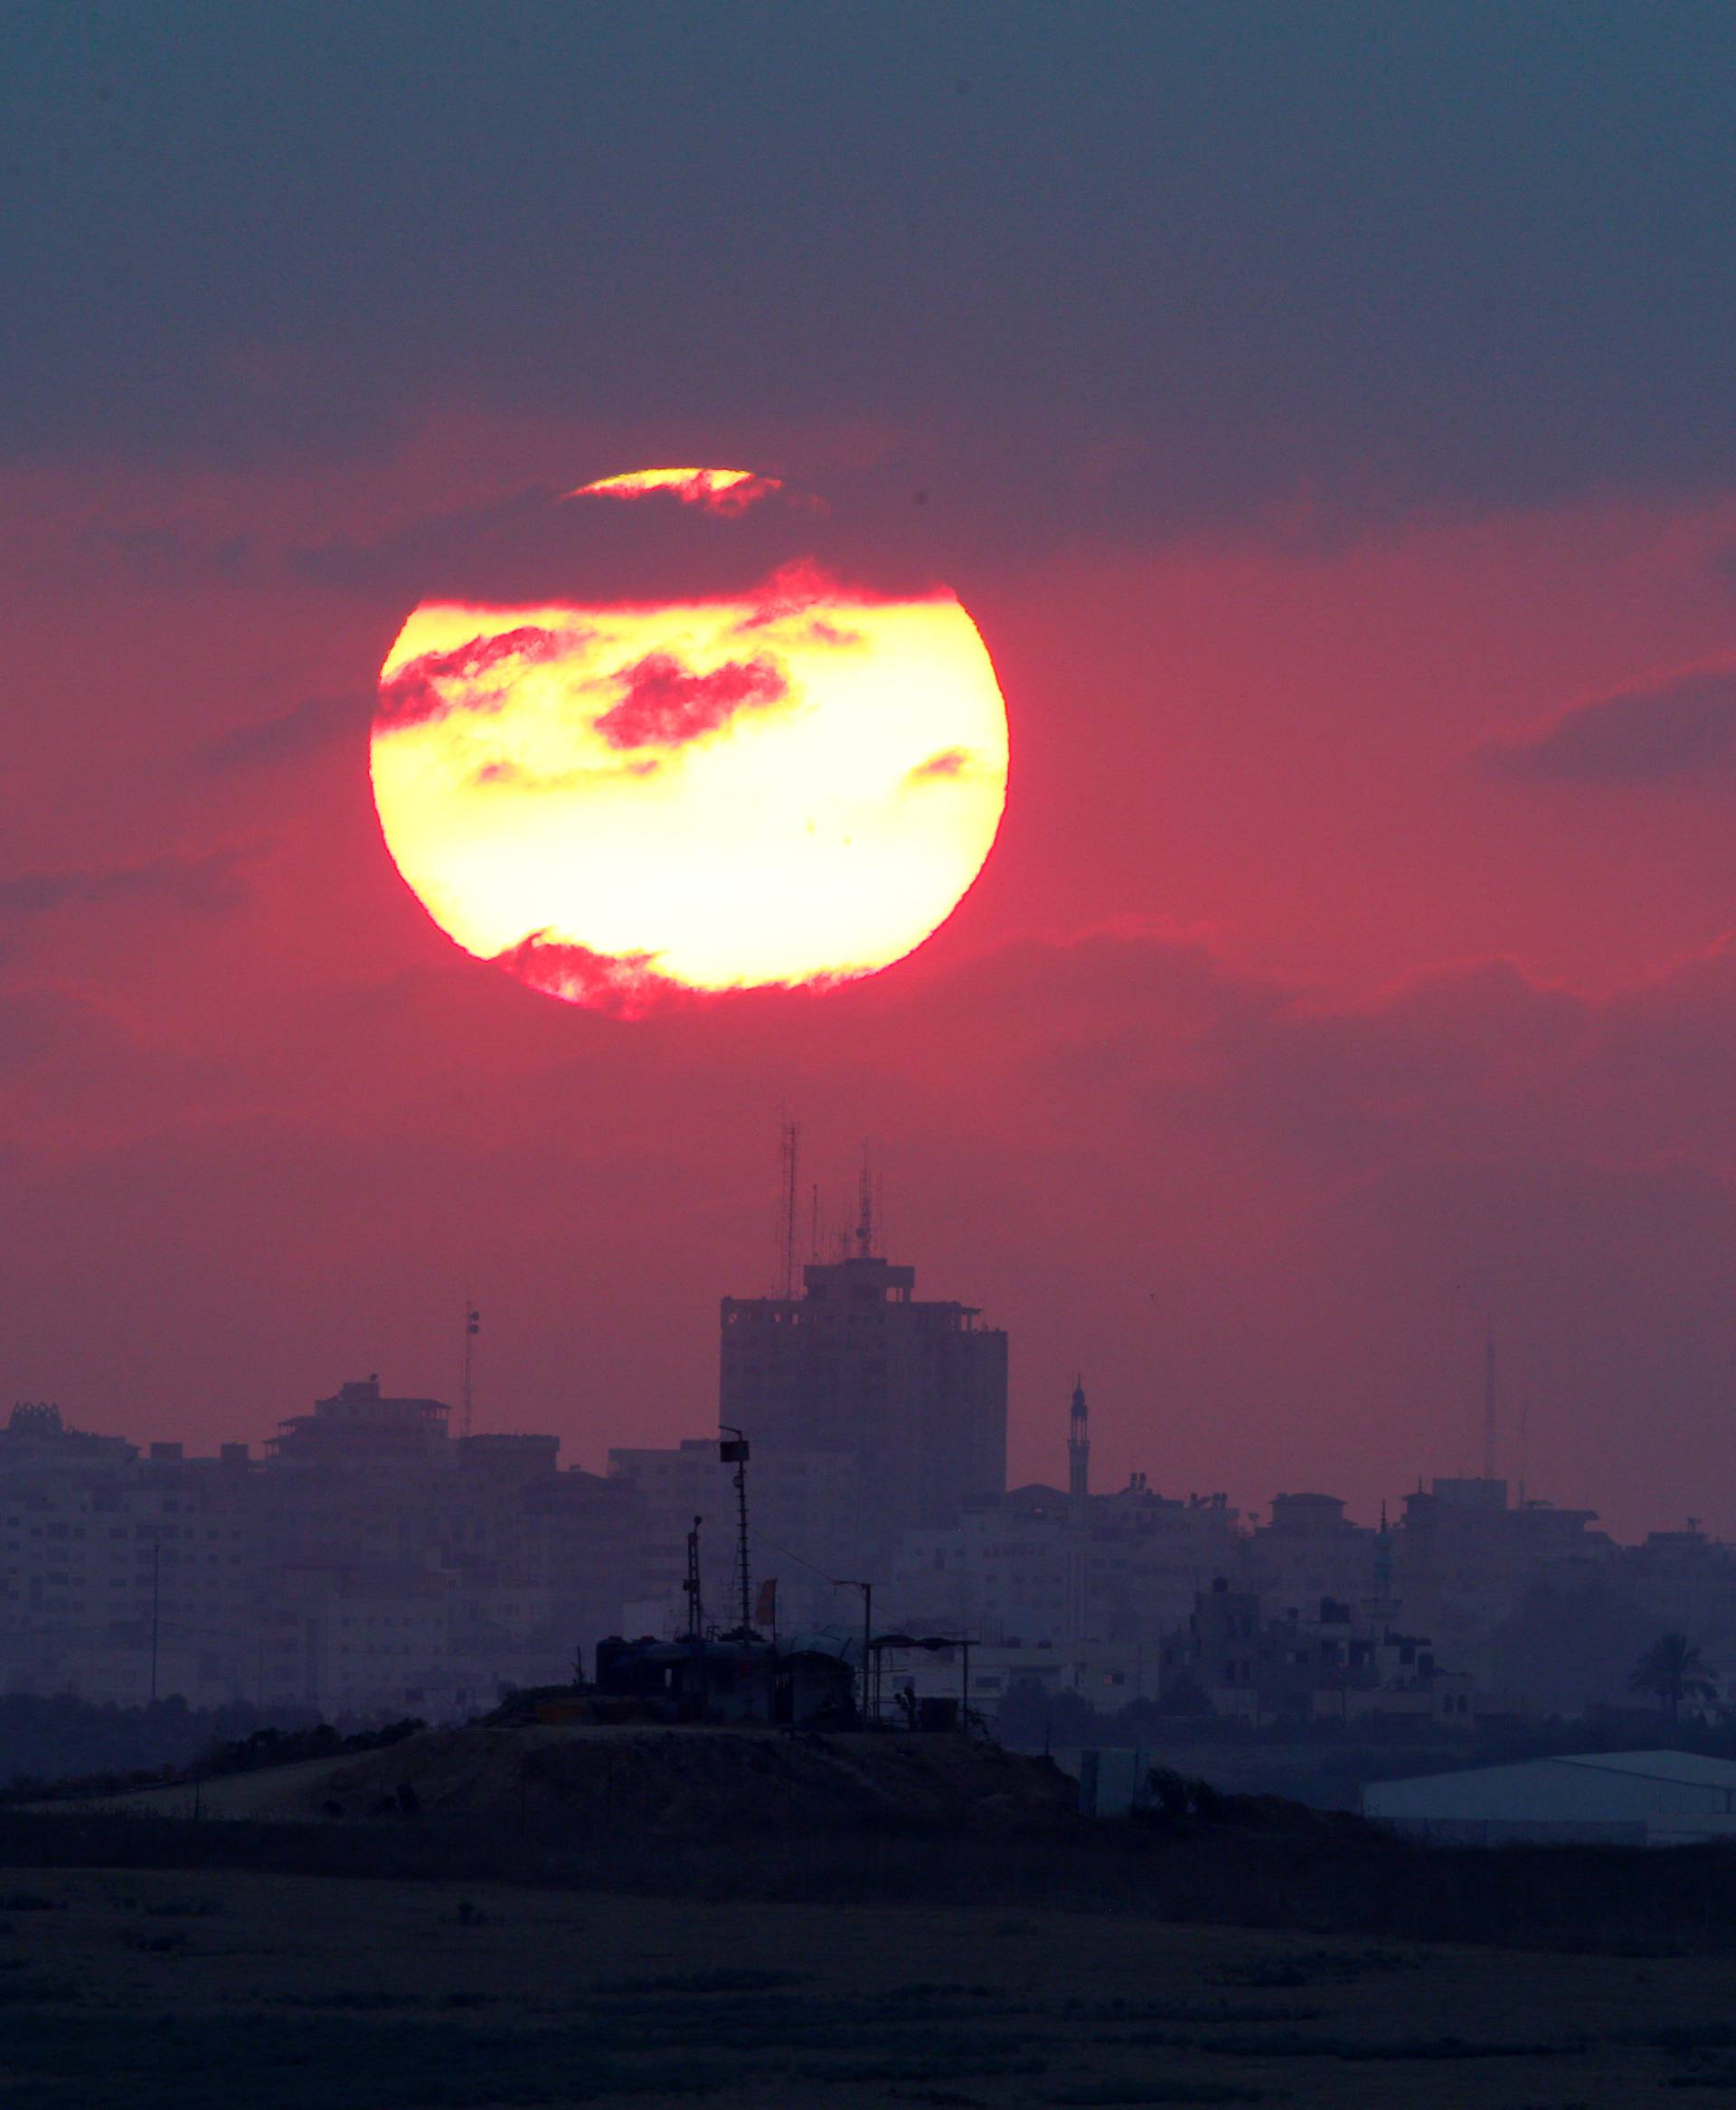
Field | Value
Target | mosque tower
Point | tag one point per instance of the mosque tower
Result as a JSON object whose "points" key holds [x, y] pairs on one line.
{"points": [[1078, 1448]]}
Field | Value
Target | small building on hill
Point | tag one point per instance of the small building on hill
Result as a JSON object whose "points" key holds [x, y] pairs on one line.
{"points": [[808, 1682]]}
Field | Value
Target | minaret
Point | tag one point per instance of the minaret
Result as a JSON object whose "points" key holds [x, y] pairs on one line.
{"points": [[1078, 1518], [1384, 1561], [1078, 1449]]}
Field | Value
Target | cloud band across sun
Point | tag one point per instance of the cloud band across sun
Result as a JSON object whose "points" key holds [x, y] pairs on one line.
{"points": [[666, 703], [623, 803], [724, 491]]}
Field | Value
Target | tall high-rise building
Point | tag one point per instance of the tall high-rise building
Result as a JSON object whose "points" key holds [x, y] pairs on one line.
{"points": [[914, 1392]]}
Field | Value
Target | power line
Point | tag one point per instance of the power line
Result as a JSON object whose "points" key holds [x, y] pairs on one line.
{"points": [[789, 1553]]}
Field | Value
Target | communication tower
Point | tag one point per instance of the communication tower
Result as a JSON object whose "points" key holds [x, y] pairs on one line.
{"points": [[690, 1588]]}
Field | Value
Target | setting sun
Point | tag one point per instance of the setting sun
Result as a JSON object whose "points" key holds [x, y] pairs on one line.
{"points": [[621, 803]]}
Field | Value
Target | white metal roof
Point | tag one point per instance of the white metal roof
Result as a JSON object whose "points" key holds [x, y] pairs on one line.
{"points": [[1687, 1766]]}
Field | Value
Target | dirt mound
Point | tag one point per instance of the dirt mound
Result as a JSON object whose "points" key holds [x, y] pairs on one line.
{"points": [[684, 1778]]}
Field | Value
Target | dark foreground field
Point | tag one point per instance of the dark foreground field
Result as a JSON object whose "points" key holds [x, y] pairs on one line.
{"points": [[275, 1992], [839, 1970]]}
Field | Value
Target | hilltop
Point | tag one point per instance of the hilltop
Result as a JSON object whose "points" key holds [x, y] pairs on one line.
{"points": [[641, 1778]]}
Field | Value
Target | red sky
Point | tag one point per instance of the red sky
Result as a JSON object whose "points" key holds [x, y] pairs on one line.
{"points": [[1292, 1030], [1324, 417]]}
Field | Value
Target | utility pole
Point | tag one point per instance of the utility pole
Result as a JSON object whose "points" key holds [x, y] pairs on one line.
{"points": [[472, 1327], [157, 1601], [1525, 1445], [1489, 1410], [735, 1453], [867, 1589]]}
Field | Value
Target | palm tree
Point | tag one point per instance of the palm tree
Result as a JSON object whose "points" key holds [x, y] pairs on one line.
{"points": [[1673, 1670]]}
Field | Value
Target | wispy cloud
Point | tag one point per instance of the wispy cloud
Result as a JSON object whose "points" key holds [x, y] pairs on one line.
{"points": [[208, 884], [1681, 726], [287, 738]]}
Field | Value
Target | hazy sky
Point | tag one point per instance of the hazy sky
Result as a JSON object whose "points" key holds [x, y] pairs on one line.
{"points": [[1325, 415]]}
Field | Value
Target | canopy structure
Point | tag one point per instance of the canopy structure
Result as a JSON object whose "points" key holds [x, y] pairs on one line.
{"points": [[931, 1710]]}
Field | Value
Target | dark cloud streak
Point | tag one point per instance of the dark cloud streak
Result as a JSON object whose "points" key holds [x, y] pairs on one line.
{"points": [[210, 883], [311, 726], [1684, 727], [1397, 256]]}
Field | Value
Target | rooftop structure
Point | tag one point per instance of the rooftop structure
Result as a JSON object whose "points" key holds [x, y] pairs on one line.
{"points": [[36, 1433], [1308, 1516], [359, 1425]]}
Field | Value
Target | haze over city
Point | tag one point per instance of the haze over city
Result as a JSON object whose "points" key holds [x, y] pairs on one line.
{"points": [[1340, 483]]}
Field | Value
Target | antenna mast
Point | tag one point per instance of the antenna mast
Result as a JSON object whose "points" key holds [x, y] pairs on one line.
{"points": [[865, 1212], [1525, 1445], [789, 1153], [1489, 1404], [472, 1327]]}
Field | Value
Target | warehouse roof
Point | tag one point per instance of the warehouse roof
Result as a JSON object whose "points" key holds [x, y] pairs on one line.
{"points": [[1687, 1766]]}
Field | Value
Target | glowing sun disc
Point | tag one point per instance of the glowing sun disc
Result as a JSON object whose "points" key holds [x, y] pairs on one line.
{"points": [[623, 803]]}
